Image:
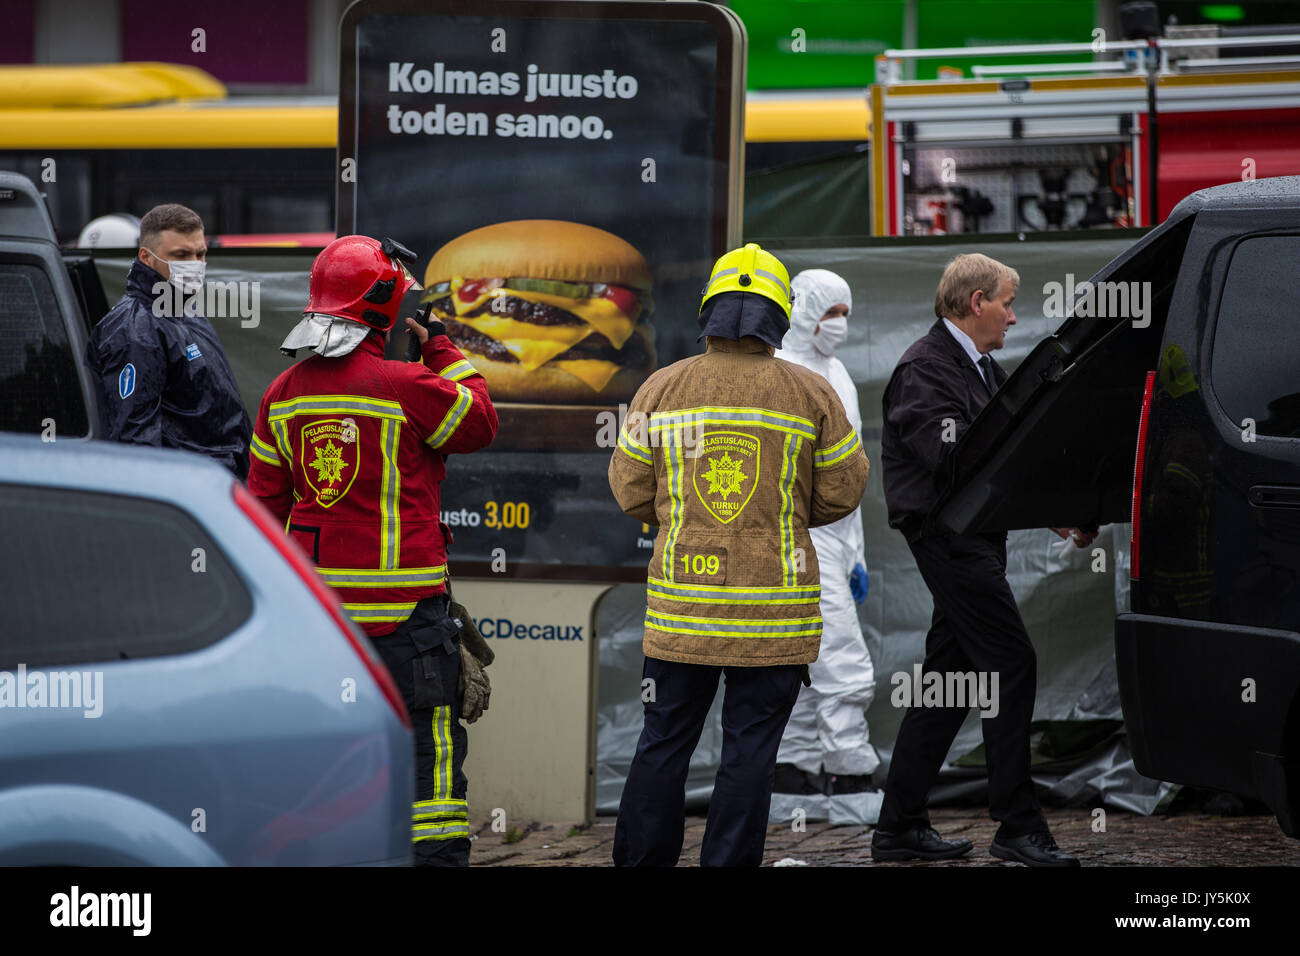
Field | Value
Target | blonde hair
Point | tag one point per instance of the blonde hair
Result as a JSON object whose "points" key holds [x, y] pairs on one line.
{"points": [[965, 274]]}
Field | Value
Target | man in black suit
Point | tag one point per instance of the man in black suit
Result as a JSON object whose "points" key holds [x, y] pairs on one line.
{"points": [[939, 386]]}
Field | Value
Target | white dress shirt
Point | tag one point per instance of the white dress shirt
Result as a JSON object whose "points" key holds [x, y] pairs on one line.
{"points": [[967, 343]]}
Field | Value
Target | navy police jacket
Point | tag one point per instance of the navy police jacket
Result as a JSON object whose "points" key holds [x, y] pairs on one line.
{"points": [[164, 381]]}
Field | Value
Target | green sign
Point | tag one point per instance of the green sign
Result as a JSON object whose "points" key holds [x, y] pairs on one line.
{"points": [[821, 44]]}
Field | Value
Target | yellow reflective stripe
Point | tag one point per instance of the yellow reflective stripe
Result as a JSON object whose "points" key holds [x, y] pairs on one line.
{"points": [[732, 627], [442, 752], [458, 370], [421, 807], [453, 418], [439, 831], [719, 276], [336, 405], [720, 594], [841, 450], [773, 277], [440, 816], [633, 448], [716, 415], [263, 451], [379, 613], [370, 578], [673, 459], [280, 429], [789, 471], [390, 491]]}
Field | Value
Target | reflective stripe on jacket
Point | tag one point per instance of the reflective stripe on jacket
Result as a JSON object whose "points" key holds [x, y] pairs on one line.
{"points": [[734, 454], [350, 452]]}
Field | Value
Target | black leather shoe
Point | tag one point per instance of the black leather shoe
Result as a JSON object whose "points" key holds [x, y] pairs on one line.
{"points": [[1032, 849], [790, 779], [918, 843]]}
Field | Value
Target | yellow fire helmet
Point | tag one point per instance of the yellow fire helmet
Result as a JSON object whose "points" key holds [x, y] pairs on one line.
{"points": [[750, 269]]}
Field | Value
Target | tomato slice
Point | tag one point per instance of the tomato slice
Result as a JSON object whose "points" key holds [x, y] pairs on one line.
{"points": [[471, 290], [624, 298]]}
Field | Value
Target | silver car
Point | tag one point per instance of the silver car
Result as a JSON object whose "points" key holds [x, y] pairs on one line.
{"points": [[177, 684]]}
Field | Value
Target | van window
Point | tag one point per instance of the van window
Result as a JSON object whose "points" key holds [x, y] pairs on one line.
{"points": [[98, 577], [38, 372], [1255, 369]]}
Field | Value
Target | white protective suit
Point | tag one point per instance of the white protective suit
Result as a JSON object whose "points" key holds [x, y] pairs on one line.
{"points": [[828, 728]]}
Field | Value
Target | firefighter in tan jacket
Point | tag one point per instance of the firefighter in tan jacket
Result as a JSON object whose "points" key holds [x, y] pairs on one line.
{"points": [[734, 454]]}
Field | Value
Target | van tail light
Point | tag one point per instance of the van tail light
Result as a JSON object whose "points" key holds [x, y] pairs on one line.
{"points": [[1139, 466], [299, 561]]}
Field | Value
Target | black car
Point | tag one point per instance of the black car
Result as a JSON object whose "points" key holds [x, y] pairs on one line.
{"points": [[1205, 387]]}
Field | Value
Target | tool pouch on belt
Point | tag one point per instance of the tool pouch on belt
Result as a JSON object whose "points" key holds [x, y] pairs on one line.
{"points": [[434, 637], [475, 655]]}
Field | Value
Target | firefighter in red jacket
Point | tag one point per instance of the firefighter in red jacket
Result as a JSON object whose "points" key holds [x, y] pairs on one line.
{"points": [[349, 450]]}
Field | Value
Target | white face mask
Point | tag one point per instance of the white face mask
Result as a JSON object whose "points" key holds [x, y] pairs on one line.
{"points": [[186, 274], [831, 334]]}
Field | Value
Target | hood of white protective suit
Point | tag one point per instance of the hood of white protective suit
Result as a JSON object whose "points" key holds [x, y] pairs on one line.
{"points": [[815, 291]]}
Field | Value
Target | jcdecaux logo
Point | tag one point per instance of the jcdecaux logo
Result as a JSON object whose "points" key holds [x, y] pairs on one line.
{"points": [[503, 627]]}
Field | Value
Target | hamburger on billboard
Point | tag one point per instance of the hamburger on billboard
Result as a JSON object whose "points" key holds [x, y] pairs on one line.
{"points": [[549, 311]]}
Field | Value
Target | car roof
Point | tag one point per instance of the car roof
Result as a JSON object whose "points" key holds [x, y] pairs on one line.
{"points": [[1272, 192], [185, 479]]}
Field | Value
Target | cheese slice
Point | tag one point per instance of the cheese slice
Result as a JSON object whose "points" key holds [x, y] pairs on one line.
{"points": [[601, 314], [461, 306], [595, 373], [533, 345]]}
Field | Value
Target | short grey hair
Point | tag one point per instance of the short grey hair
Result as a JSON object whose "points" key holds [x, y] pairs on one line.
{"points": [[965, 274]]}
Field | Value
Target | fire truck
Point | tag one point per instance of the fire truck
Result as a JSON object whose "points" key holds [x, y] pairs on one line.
{"points": [[1112, 141]]}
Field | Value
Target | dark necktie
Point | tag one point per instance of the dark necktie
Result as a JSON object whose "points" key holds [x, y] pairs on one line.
{"points": [[986, 365]]}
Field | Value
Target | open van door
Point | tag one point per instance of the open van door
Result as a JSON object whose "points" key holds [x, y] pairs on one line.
{"points": [[1055, 446]]}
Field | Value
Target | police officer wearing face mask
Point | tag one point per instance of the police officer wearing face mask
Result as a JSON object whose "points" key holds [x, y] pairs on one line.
{"points": [[162, 374], [826, 759]]}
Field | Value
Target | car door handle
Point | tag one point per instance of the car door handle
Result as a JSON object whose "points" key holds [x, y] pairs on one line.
{"points": [[1274, 496]]}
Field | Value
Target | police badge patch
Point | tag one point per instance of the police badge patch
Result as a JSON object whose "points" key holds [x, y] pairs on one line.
{"points": [[331, 452]]}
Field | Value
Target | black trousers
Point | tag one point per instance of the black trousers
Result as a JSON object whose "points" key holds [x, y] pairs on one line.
{"points": [[423, 655], [976, 627], [756, 704]]}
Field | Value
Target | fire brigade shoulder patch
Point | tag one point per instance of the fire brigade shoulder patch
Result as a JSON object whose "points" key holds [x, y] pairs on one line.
{"points": [[726, 473], [331, 453]]}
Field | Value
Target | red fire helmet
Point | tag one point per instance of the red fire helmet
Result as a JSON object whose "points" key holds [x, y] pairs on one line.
{"points": [[362, 279]]}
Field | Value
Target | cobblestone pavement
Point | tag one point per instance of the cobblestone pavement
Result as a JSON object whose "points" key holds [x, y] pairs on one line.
{"points": [[1185, 839]]}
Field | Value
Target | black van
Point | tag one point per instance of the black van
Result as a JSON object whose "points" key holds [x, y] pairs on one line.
{"points": [[1206, 388]]}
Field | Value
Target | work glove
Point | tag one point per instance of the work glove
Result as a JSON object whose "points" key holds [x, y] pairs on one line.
{"points": [[859, 582], [475, 655], [475, 689], [469, 635]]}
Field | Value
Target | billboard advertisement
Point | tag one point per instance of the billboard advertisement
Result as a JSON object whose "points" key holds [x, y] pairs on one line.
{"points": [[566, 174]]}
